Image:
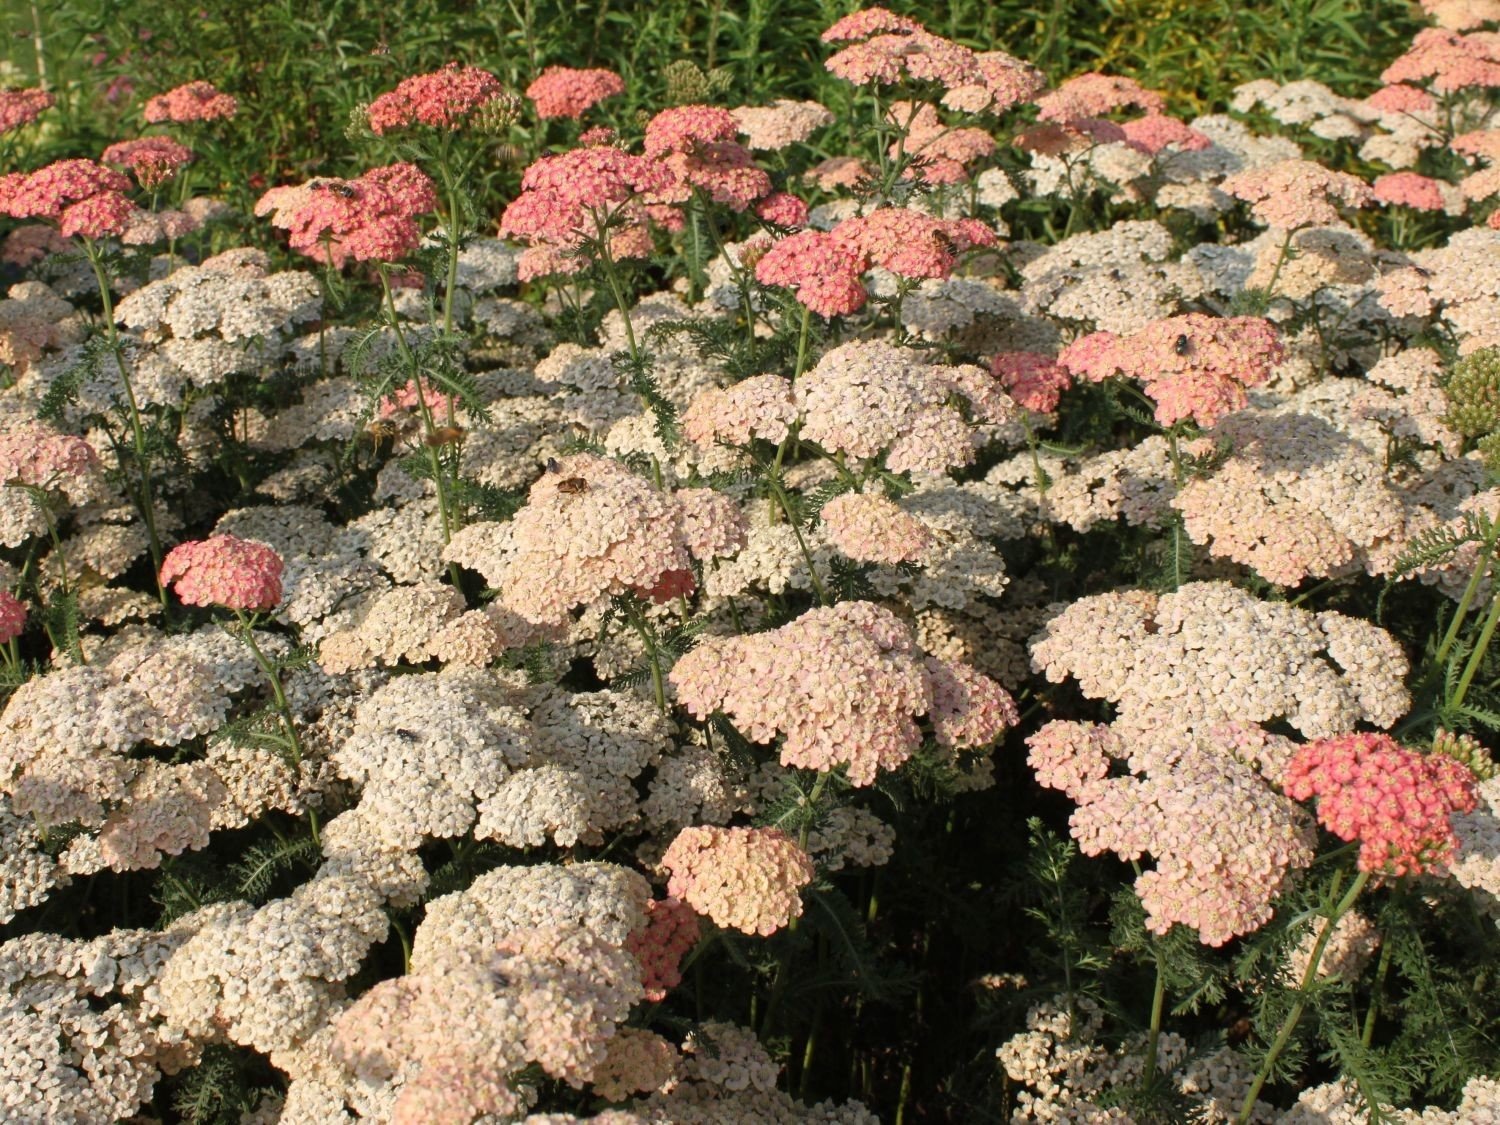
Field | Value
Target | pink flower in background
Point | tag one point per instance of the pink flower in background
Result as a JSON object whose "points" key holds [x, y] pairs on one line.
{"points": [[969, 710], [867, 22], [1450, 61], [824, 275], [696, 145], [1297, 193], [224, 570], [195, 101], [1400, 98], [747, 879], [917, 56], [782, 209], [80, 196], [686, 127], [1035, 381], [405, 398], [672, 928], [1409, 189], [562, 91], [758, 407], [12, 617], [33, 454], [22, 107], [1003, 83], [371, 218], [154, 160], [1093, 95], [1156, 132], [443, 99], [1193, 366], [1397, 803]]}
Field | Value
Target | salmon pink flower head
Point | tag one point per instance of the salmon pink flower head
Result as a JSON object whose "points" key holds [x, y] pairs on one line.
{"points": [[154, 160], [866, 22], [696, 145], [1409, 189], [82, 197], [747, 879], [1004, 82], [782, 209], [444, 99], [21, 107], [820, 271], [671, 930], [1094, 95], [1449, 61], [223, 570], [1154, 133], [910, 243], [562, 91], [12, 617], [1035, 381], [1297, 193], [371, 218], [195, 101], [1397, 803], [1193, 366]]}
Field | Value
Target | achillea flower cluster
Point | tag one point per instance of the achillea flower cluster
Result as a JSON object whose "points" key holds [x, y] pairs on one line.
{"points": [[1398, 803], [748, 879], [779, 125], [870, 528], [1297, 193], [1157, 132], [866, 398], [573, 199], [1035, 381], [224, 570], [370, 218], [154, 160], [761, 407], [843, 684], [1093, 95], [1004, 83], [782, 209], [12, 617], [22, 107], [938, 152], [1448, 61], [1193, 366], [820, 271], [1409, 189], [1223, 840], [894, 49], [82, 197], [444, 99], [910, 243], [671, 931], [562, 91], [195, 101], [696, 145]]}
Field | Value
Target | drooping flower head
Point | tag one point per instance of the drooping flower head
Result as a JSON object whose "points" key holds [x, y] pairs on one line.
{"points": [[154, 160], [195, 101], [444, 99], [1397, 803], [82, 197], [224, 570], [562, 91], [1193, 366], [22, 107], [370, 218], [748, 879]]}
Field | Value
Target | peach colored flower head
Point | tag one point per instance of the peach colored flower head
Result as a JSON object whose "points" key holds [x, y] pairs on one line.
{"points": [[443, 99], [1035, 381], [1157, 132], [224, 570], [1400, 98], [823, 274], [154, 160], [916, 56], [867, 22], [80, 196], [910, 243], [782, 209], [671, 930], [370, 218], [1004, 82], [562, 91], [870, 528], [21, 107], [32, 454], [747, 879], [1094, 94], [758, 407], [1397, 803], [195, 101], [1297, 193], [1409, 189], [1449, 61], [12, 617]]}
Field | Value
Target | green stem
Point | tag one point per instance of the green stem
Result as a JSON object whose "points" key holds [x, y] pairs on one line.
{"points": [[294, 744], [1289, 1025], [642, 627], [802, 343], [1153, 1037], [812, 571], [1481, 647], [1286, 247], [1481, 565], [1368, 1032]]}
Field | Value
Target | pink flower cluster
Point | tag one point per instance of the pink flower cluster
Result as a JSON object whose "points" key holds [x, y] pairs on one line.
{"points": [[1094, 94], [870, 528], [910, 243], [1222, 838], [1409, 189], [892, 48], [12, 617], [843, 685], [195, 101], [580, 196], [1297, 193], [1156, 132], [758, 407], [939, 152], [820, 271], [224, 570], [1035, 381], [1450, 61], [34, 455], [22, 107], [82, 197], [371, 218], [671, 930], [1004, 82], [1193, 366], [562, 91], [404, 399], [1397, 803], [696, 145], [748, 879], [782, 209], [154, 160], [444, 99]]}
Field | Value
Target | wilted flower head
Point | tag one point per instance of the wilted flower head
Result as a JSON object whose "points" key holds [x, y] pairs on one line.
{"points": [[1397, 803], [562, 91], [224, 570], [12, 617], [444, 99], [21, 107], [154, 160], [748, 879], [1193, 366], [1297, 193], [370, 218], [195, 101], [80, 196]]}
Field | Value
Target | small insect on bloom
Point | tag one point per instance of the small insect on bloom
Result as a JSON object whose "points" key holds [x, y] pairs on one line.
{"points": [[572, 486]]}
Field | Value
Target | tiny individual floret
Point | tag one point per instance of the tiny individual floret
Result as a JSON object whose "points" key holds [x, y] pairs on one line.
{"points": [[226, 571], [748, 879], [1397, 803], [195, 101], [562, 91], [444, 99], [22, 107]]}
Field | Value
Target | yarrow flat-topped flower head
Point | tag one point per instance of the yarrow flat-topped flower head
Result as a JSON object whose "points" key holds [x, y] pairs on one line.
{"points": [[224, 570], [444, 99], [195, 101], [562, 91], [22, 107], [154, 160], [370, 218], [82, 197]]}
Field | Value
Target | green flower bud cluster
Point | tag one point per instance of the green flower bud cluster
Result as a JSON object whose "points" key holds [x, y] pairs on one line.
{"points": [[1473, 391], [1465, 748]]}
